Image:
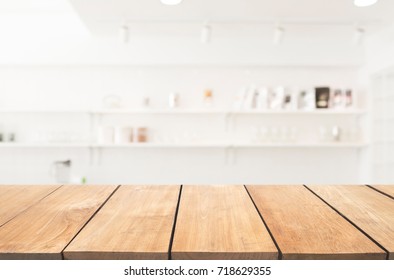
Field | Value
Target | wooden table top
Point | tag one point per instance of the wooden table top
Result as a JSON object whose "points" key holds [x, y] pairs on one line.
{"points": [[16, 199], [45, 229], [306, 228], [370, 211], [136, 223], [388, 190], [220, 222], [197, 222]]}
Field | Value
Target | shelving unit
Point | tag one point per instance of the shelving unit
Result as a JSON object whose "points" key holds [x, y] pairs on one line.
{"points": [[304, 145], [44, 145], [42, 111], [230, 115], [183, 145], [188, 111], [230, 112], [214, 140]]}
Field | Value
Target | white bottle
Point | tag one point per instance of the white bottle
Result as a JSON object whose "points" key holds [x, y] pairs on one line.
{"points": [[250, 98], [295, 96], [173, 100], [277, 98], [262, 100], [291, 99], [240, 99]]}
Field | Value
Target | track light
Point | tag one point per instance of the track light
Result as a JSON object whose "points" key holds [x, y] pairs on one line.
{"points": [[171, 2], [124, 34], [359, 34], [278, 35], [206, 33], [364, 3]]}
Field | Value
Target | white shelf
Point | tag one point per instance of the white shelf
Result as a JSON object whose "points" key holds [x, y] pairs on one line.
{"points": [[158, 111], [384, 119], [300, 112], [188, 111], [303, 145], [183, 145], [385, 97], [43, 111], [44, 145], [384, 141], [199, 65], [231, 145], [222, 111], [162, 145]]}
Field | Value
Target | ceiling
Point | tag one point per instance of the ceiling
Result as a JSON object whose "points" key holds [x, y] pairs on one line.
{"points": [[332, 10], [102, 17], [234, 18], [34, 7]]}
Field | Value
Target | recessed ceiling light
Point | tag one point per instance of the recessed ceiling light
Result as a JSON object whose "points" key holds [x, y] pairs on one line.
{"points": [[171, 2], [364, 3]]}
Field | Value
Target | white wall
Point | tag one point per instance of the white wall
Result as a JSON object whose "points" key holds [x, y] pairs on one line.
{"points": [[379, 51], [63, 39], [53, 63], [64, 87]]}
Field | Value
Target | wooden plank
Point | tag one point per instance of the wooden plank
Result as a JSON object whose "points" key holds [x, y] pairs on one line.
{"points": [[15, 199], [220, 222], [45, 229], [304, 227], [136, 223], [371, 211], [387, 189]]}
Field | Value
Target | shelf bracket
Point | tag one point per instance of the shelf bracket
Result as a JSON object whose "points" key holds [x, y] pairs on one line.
{"points": [[228, 122]]}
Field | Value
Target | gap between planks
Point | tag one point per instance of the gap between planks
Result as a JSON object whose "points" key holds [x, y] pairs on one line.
{"points": [[352, 223], [87, 222], [213, 246], [27, 208], [177, 209], [174, 224], [280, 255], [379, 191]]}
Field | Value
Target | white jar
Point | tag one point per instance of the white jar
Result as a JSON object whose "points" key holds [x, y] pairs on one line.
{"points": [[123, 135], [173, 100], [105, 135]]}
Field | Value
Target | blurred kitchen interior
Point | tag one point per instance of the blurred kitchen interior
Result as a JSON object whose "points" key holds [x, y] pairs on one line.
{"points": [[200, 91]]}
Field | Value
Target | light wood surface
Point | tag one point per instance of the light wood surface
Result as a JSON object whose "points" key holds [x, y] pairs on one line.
{"points": [[389, 190], [371, 211], [220, 222], [16, 199], [213, 222], [136, 223], [45, 229], [304, 227]]}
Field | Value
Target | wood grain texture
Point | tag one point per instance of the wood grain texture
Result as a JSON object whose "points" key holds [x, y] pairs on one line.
{"points": [[16, 199], [45, 229], [220, 222], [387, 189], [304, 227], [371, 211], [136, 223]]}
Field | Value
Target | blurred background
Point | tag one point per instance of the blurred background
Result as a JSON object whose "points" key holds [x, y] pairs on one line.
{"points": [[171, 91]]}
